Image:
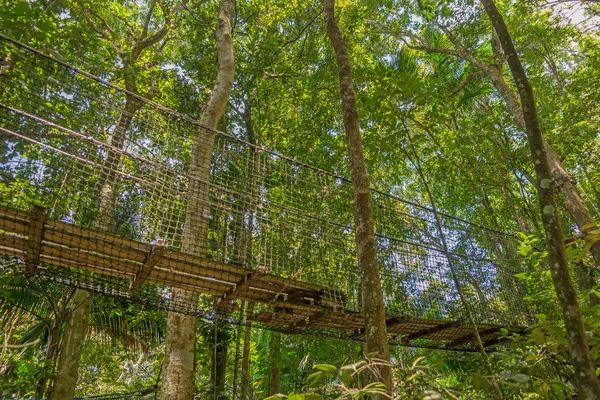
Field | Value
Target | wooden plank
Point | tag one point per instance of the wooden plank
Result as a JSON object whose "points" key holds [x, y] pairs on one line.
{"points": [[10, 241], [146, 268], [10, 215], [191, 286], [395, 321], [199, 266], [167, 278], [471, 337], [220, 267], [35, 235], [11, 224], [311, 297], [242, 285], [179, 262], [10, 251], [93, 243], [194, 263], [297, 322], [423, 333], [108, 238], [6, 211], [126, 267], [293, 284], [312, 319], [79, 265]]}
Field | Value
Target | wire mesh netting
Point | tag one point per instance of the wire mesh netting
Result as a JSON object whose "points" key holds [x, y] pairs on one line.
{"points": [[106, 191]]}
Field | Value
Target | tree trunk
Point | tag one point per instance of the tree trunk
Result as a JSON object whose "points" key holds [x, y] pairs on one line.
{"points": [[70, 354], [275, 371], [242, 251], [104, 222], [372, 298], [589, 388], [219, 363], [106, 215], [54, 334], [566, 184], [579, 211], [245, 382], [238, 351], [178, 369]]}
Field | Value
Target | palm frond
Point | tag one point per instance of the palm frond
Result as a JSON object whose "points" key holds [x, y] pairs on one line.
{"points": [[405, 61]]}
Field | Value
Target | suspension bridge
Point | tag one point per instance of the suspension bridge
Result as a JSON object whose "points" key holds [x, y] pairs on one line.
{"points": [[100, 190]]}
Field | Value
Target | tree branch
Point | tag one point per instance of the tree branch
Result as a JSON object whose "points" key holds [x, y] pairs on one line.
{"points": [[464, 83]]}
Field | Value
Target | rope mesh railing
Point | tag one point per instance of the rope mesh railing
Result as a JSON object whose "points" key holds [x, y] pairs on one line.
{"points": [[109, 175]]}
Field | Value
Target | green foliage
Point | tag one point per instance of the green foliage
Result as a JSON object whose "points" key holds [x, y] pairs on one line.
{"points": [[339, 383], [428, 104]]}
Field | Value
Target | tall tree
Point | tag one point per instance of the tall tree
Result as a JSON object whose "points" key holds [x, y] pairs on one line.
{"points": [[275, 370], [573, 201], [131, 50], [245, 380], [178, 372], [372, 307], [70, 354], [589, 387]]}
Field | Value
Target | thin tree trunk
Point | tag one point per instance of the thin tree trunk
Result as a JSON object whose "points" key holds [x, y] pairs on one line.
{"points": [[372, 298], [245, 382], [455, 277], [242, 252], [54, 339], [252, 191], [238, 351], [70, 354], [566, 184], [178, 369], [589, 388], [78, 319], [219, 363], [275, 371]]}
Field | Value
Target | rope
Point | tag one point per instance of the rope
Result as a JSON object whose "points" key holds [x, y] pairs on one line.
{"points": [[192, 121], [453, 272], [273, 211]]}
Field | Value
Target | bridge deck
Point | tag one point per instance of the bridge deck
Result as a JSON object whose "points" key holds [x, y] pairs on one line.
{"points": [[293, 306]]}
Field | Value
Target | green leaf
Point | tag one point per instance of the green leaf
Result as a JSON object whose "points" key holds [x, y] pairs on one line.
{"points": [[346, 377], [316, 378], [522, 276], [520, 378], [354, 366], [479, 381], [541, 317], [313, 396], [330, 369]]}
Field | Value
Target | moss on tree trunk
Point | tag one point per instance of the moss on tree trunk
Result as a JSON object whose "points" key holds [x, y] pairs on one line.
{"points": [[372, 300], [589, 388]]}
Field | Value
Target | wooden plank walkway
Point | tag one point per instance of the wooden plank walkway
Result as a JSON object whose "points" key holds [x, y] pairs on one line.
{"points": [[295, 306]]}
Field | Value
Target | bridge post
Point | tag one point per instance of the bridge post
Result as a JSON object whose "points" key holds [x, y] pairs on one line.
{"points": [[152, 259]]}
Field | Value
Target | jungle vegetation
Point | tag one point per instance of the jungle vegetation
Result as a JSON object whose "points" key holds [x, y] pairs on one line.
{"points": [[499, 102]]}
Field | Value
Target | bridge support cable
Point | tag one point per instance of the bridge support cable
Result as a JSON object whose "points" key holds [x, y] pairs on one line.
{"points": [[280, 232], [476, 334]]}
